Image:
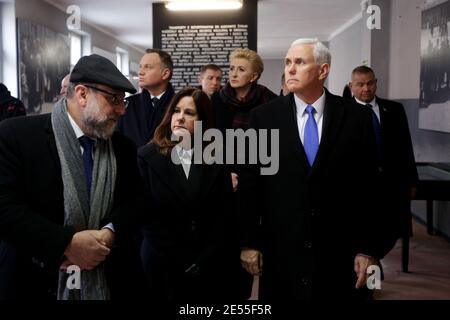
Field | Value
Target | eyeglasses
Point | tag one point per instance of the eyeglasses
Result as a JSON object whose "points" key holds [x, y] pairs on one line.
{"points": [[115, 98]]}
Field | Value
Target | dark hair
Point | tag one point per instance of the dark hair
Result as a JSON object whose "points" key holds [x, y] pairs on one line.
{"points": [[363, 70], [204, 111], [166, 59], [211, 66], [71, 89], [347, 93], [72, 85], [3, 87]]}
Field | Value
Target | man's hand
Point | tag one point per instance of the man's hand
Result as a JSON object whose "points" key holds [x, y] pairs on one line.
{"points": [[234, 180], [105, 236], [252, 261], [361, 265], [87, 249]]}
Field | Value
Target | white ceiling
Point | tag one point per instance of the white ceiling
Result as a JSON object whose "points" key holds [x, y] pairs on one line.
{"points": [[279, 21]]}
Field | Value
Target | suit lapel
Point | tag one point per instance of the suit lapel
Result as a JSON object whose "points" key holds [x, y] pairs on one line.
{"points": [[332, 121], [383, 110], [144, 113], [384, 119], [51, 144], [172, 175], [208, 178], [292, 136], [168, 173]]}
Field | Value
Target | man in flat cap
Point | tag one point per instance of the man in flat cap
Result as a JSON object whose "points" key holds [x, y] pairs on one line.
{"points": [[68, 185]]}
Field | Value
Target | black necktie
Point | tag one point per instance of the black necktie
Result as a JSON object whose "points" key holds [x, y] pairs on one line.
{"points": [[155, 102], [88, 160], [377, 129]]}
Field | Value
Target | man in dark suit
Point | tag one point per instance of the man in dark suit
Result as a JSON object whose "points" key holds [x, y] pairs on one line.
{"points": [[313, 223], [68, 185], [146, 109], [396, 155]]}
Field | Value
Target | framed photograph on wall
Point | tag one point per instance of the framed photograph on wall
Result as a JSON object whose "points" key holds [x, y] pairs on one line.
{"points": [[44, 60], [434, 111]]}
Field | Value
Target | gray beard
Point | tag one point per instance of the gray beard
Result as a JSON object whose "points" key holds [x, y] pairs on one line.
{"points": [[99, 129], [96, 124]]}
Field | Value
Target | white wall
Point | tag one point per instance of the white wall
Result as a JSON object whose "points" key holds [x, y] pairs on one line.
{"points": [[271, 77], [111, 56], [380, 45], [404, 71], [8, 46], [404, 85], [346, 52]]}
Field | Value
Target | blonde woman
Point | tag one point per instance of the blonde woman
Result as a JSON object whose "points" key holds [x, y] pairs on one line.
{"points": [[242, 93], [232, 106]]}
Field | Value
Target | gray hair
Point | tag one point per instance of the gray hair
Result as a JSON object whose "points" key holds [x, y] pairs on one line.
{"points": [[71, 89], [72, 85], [321, 52]]}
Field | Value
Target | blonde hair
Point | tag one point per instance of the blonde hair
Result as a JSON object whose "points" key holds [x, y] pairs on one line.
{"points": [[250, 55]]}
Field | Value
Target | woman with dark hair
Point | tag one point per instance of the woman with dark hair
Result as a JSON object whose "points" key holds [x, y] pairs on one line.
{"points": [[185, 248]]}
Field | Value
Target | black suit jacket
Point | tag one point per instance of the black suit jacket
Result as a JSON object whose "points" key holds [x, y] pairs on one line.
{"points": [[32, 208], [187, 225], [141, 118], [314, 221], [399, 168]]}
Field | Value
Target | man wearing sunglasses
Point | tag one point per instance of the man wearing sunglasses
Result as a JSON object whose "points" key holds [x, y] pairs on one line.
{"points": [[68, 184]]}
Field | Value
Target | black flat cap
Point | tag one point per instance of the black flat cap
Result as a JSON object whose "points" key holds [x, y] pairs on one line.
{"points": [[97, 69]]}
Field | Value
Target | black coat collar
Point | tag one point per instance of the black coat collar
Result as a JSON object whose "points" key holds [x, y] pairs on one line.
{"points": [[169, 173], [51, 142]]}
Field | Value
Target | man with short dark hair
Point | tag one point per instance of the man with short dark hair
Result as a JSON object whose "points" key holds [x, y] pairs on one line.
{"points": [[68, 185], [396, 155], [210, 78], [146, 109]]}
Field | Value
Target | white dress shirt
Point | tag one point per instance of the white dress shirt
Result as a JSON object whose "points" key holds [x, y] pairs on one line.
{"points": [[75, 127], [159, 96], [79, 133], [302, 115], [375, 106], [185, 159]]}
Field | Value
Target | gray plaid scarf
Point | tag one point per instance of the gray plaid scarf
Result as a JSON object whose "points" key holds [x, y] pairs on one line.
{"points": [[78, 212]]}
